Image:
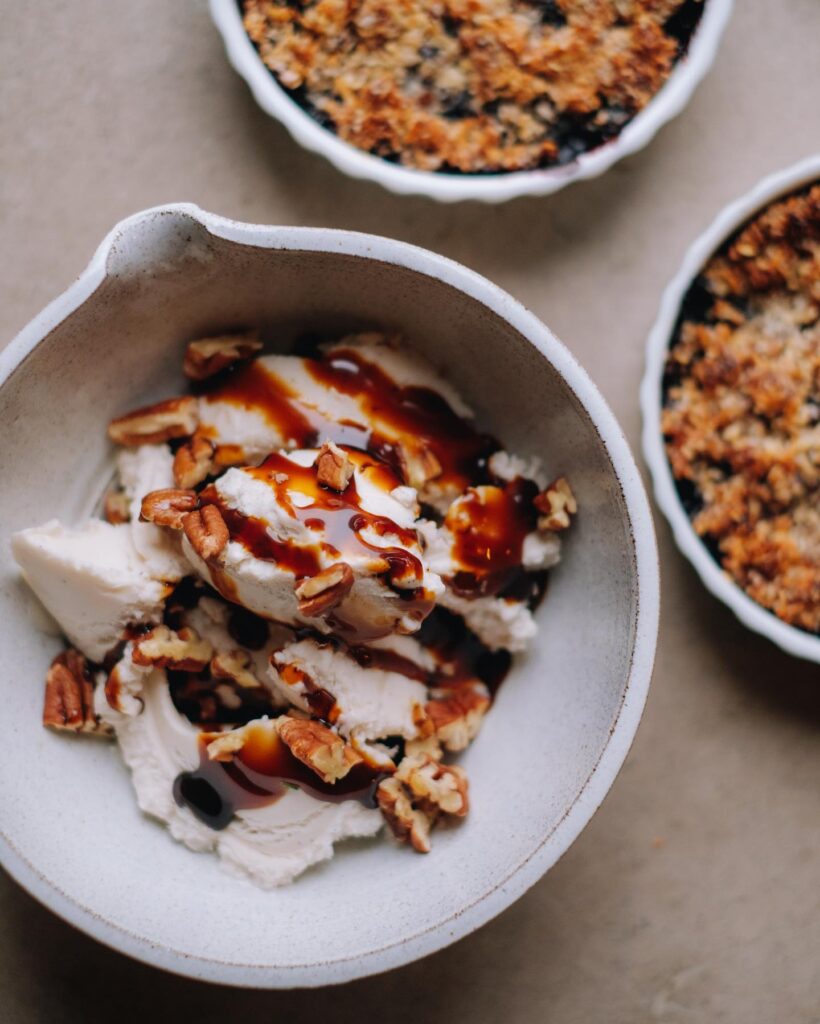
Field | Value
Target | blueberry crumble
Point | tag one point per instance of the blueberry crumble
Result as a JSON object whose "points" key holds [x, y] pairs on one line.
{"points": [[472, 86], [741, 417]]}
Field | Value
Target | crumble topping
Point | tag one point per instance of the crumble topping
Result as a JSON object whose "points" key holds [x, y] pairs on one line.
{"points": [[472, 85], [742, 415]]}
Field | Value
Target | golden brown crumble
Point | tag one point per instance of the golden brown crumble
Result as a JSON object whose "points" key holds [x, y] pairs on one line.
{"points": [[472, 85], [742, 415]]}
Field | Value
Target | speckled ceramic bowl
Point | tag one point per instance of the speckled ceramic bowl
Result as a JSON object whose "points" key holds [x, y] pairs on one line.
{"points": [[70, 831], [489, 188], [728, 221]]}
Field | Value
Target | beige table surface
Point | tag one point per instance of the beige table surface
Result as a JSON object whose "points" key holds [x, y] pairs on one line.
{"points": [[694, 895]]}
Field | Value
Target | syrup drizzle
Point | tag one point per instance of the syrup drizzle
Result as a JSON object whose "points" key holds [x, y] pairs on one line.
{"points": [[258, 775], [337, 518], [489, 528], [415, 417]]}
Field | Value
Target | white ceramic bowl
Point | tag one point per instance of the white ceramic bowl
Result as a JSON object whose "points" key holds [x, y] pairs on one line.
{"points": [[564, 719], [750, 613], [489, 188]]}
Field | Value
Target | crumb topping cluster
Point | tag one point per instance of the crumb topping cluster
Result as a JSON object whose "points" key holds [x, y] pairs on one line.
{"points": [[742, 415], [472, 85]]}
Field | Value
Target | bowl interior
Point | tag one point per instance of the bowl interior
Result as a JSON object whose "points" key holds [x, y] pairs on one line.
{"points": [[66, 807]]}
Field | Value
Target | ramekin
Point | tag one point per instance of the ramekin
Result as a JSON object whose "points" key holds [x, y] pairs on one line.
{"points": [[718, 582], [488, 188]]}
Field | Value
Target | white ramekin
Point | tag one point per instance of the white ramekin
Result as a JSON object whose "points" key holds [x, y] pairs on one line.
{"points": [[750, 613], [492, 188]]}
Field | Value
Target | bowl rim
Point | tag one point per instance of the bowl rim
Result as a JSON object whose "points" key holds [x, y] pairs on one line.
{"points": [[668, 102], [483, 906], [730, 218]]}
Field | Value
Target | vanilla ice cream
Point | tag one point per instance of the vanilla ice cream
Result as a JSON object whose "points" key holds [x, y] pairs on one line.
{"points": [[308, 590]]}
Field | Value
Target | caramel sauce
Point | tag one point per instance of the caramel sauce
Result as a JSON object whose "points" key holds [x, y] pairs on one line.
{"points": [[253, 386], [337, 517], [489, 527], [320, 701], [416, 416], [462, 656], [257, 776], [413, 416], [197, 696]]}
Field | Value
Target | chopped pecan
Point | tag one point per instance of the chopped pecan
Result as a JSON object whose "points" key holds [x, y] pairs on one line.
{"points": [[116, 507], [427, 746], [320, 593], [419, 465], [206, 530], [435, 786], [193, 461], [168, 507], [407, 823], [234, 665], [69, 696], [153, 424], [456, 717], [318, 747], [207, 356], [556, 504], [333, 467], [162, 647], [375, 755], [225, 746]]}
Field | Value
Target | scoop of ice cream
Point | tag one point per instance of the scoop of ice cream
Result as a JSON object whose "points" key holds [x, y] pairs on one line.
{"points": [[290, 530], [144, 469], [271, 843], [91, 579], [370, 692]]}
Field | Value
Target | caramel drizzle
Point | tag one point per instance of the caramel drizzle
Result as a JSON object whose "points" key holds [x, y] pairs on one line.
{"points": [[335, 516], [413, 417], [258, 775], [489, 528]]}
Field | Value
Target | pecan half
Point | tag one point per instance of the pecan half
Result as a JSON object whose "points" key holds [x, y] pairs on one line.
{"points": [[333, 467], [206, 530], [207, 356], [435, 786], [234, 665], [193, 461], [318, 747], [419, 465], [406, 822], [69, 697], [556, 504], [175, 417], [162, 647], [456, 717], [320, 593], [168, 507], [116, 507]]}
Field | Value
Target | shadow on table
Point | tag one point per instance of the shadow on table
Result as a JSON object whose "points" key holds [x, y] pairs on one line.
{"points": [[69, 977]]}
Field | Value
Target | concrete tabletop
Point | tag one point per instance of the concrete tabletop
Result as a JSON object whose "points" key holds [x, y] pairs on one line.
{"points": [[694, 895]]}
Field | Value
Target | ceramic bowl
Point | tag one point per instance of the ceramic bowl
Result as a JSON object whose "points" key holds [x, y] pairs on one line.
{"points": [[489, 188], [564, 719], [730, 220]]}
